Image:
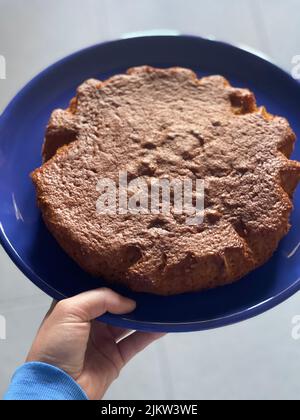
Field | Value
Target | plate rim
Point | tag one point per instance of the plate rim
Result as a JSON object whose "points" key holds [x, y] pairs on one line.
{"points": [[120, 320]]}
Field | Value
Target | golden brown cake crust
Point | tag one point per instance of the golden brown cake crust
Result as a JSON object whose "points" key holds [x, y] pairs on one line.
{"points": [[167, 123]]}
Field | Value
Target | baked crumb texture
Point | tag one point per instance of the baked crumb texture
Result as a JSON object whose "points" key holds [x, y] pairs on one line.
{"points": [[168, 123]]}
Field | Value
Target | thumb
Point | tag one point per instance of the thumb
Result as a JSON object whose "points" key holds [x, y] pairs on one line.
{"points": [[87, 306]]}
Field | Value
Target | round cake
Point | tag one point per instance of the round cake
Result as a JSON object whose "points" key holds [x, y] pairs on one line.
{"points": [[168, 124]]}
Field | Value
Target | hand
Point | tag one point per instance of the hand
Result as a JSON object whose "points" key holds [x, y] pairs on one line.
{"points": [[91, 352]]}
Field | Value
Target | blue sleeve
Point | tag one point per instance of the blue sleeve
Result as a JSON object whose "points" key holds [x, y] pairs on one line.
{"points": [[39, 381]]}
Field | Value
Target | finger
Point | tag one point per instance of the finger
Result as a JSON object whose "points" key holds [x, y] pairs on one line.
{"points": [[135, 343], [90, 305], [100, 330], [119, 333], [50, 310], [52, 306]]}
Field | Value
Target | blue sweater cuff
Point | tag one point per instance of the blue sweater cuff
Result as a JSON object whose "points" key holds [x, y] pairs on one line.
{"points": [[40, 381]]}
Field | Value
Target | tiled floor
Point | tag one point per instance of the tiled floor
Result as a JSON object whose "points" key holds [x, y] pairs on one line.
{"points": [[256, 359]]}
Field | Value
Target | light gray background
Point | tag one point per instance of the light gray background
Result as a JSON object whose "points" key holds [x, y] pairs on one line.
{"points": [[257, 359]]}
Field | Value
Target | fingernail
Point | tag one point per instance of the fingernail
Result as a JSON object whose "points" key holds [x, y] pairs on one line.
{"points": [[132, 303]]}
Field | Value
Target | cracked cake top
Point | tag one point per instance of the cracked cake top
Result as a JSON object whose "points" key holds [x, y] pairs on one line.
{"points": [[167, 123]]}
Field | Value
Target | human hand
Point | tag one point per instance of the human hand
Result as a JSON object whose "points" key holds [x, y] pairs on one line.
{"points": [[91, 352]]}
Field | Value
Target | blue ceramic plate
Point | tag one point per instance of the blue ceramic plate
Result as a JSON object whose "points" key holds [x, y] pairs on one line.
{"points": [[36, 253]]}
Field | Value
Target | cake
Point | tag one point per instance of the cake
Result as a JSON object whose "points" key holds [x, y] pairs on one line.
{"points": [[166, 124]]}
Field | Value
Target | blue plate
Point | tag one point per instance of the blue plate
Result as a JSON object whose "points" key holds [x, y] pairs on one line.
{"points": [[36, 253]]}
